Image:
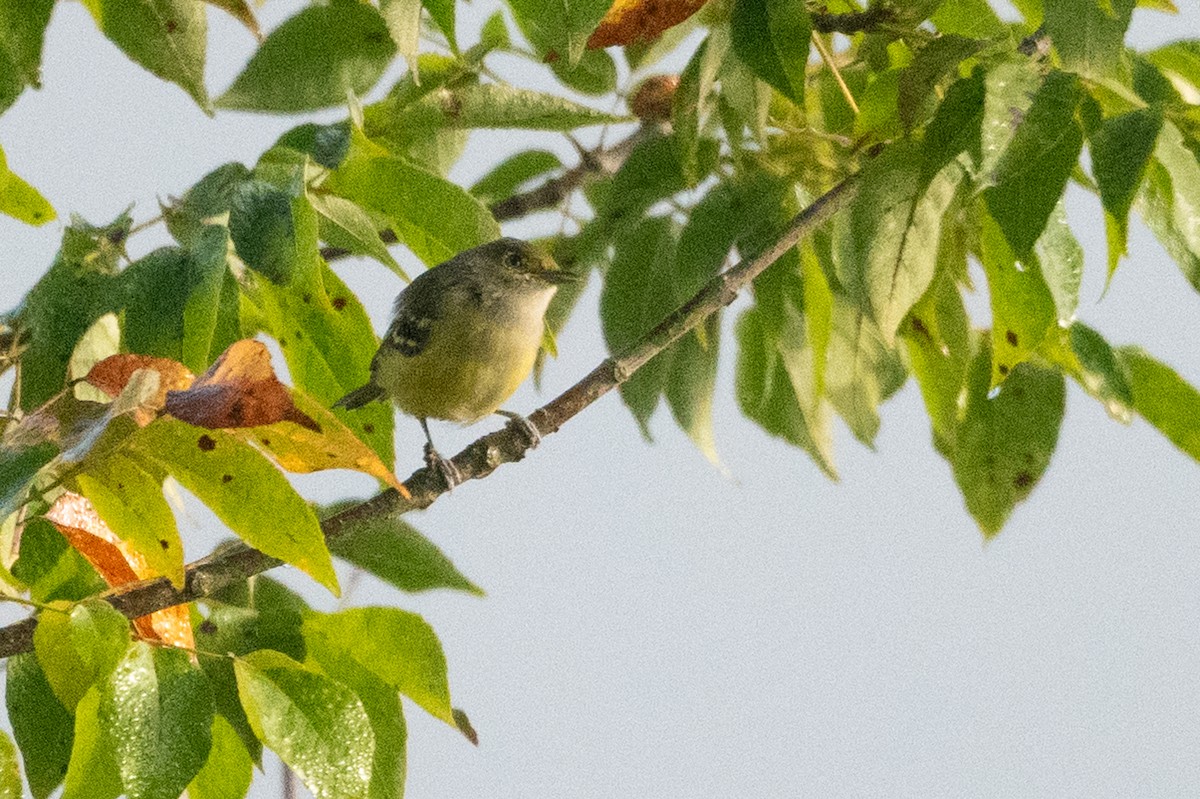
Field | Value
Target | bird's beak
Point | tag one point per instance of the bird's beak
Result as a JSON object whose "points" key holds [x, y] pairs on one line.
{"points": [[559, 277]]}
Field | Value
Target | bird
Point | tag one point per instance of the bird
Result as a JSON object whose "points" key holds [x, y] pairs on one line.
{"points": [[463, 336]]}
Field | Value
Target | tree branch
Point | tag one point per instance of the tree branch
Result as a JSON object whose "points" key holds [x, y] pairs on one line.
{"points": [[854, 21], [239, 561]]}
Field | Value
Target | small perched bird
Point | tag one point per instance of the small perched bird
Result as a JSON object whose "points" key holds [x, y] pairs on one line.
{"points": [[464, 335]]}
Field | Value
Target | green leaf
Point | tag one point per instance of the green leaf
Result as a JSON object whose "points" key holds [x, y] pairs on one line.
{"points": [[356, 229], [638, 292], [243, 489], [433, 217], [956, 126], [1121, 150], [167, 37], [20, 200], [1033, 171], [887, 245], [10, 769], [42, 726], [938, 338], [229, 769], [442, 13], [314, 60], [691, 382], [382, 705], [973, 18], [397, 647], [397, 553], [79, 288], [1009, 89], [1096, 367], [766, 391], [262, 229], [493, 35], [1004, 441], [258, 613], [772, 38], [77, 646], [18, 467], [158, 709], [595, 73], [130, 500], [1180, 59], [557, 29], [1061, 259], [93, 771], [862, 369], [1163, 398], [1023, 308], [316, 725], [513, 173], [325, 334], [204, 204], [1170, 201], [22, 33], [1090, 35], [327, 145], [175, 301], [51, 568], [491, 105], [652, 172], [879, 107], [403, 20], [937, 60]]}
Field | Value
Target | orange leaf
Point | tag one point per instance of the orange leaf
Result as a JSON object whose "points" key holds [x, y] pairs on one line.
{"points": [[239, 390], [332, 445], [111, 374], [77, 520], [629, 21]]}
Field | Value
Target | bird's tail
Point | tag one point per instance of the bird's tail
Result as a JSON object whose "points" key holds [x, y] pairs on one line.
{"points": [[360, 397]]}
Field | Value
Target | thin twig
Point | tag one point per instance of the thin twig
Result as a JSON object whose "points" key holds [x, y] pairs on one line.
{"points": [[239, 561], [827, 57]]}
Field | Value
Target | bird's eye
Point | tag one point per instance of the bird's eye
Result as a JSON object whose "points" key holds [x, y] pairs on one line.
{"points": [[512, 259]]}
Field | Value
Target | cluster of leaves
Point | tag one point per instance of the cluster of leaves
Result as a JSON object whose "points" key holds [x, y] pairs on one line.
{"points": [[107, 414], [962, 133]]}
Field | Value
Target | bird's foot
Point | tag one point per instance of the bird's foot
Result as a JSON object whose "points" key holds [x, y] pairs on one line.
{"points": [[532, 435], [446, 468]]}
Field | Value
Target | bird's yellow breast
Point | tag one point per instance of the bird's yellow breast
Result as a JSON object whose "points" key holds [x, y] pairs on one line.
{"points": [[473, 362]]}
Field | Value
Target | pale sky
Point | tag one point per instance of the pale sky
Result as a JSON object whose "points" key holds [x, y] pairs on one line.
{"points": [[654, 628]]}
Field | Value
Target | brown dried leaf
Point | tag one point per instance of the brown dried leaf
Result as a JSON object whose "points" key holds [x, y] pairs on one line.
{"points": [[111, 374], [332, 445], [629, 21], [239, 390], [77, 520]]}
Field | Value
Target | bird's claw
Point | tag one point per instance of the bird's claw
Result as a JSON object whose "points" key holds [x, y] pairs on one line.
{"points": [[446, 468], [532, 435]]}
